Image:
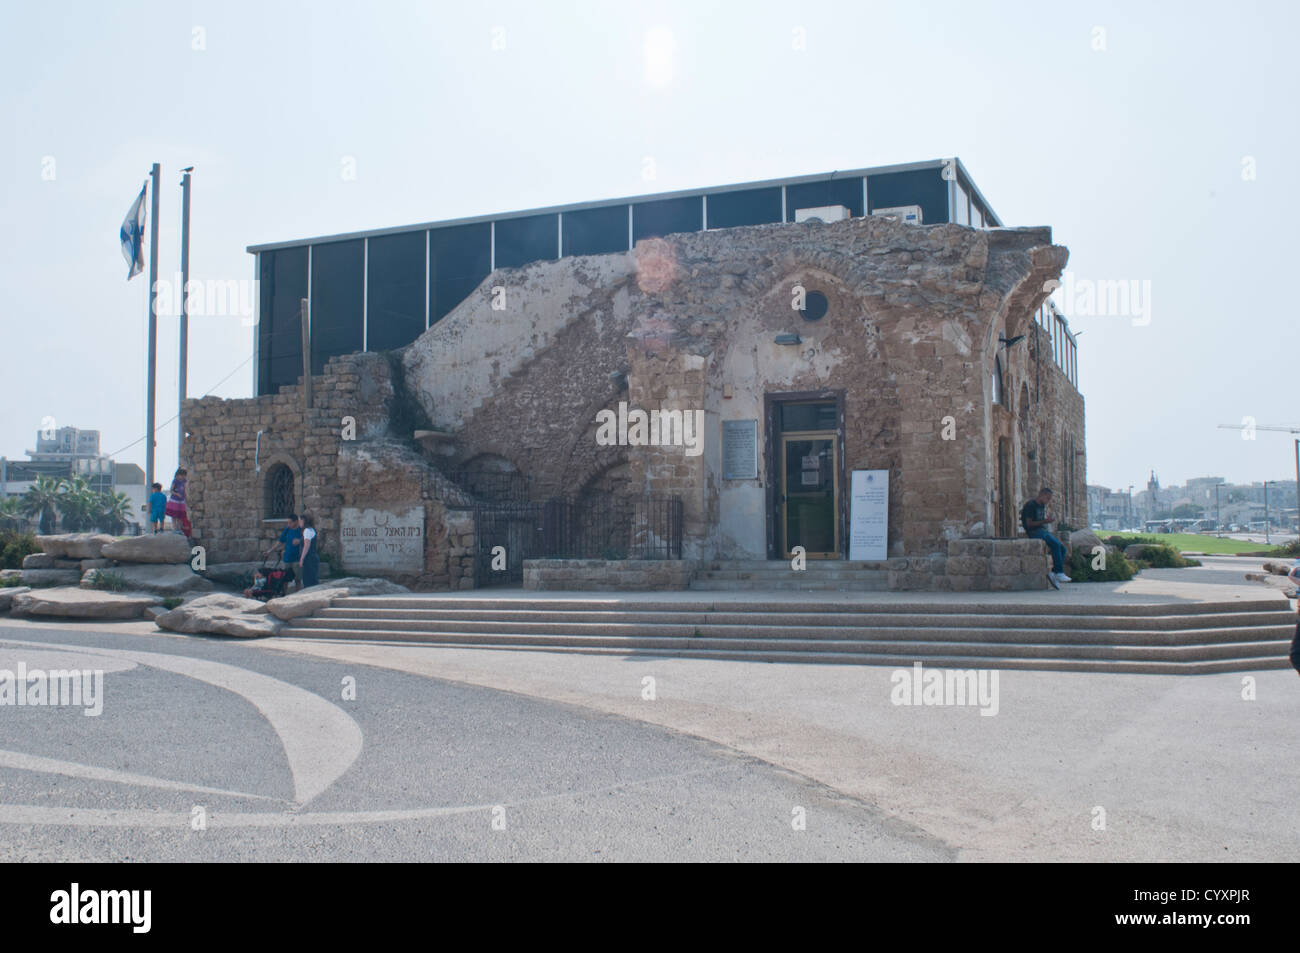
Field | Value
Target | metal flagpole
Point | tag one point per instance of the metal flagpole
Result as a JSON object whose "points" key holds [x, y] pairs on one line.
{"points": [[153, 322], [185, 317]]}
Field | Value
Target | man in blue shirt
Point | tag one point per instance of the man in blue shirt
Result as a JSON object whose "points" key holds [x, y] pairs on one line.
{"points": [[1033, 517], [291, 543]]}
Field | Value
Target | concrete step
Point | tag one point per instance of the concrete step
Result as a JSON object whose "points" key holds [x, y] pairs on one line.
{"points": [[784, 565], [867, 620], [1136, 660], [789, 585], [1153, 638], [626, 629], [907, 639], [614, 602]]}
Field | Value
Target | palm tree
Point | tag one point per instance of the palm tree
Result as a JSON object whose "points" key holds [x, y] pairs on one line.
{"points": [[40, 500], [76, 504], [11, 513], [111, 512]]}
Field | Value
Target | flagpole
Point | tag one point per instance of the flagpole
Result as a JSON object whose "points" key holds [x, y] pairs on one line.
{"points": [[185, 317], [153, 322]]}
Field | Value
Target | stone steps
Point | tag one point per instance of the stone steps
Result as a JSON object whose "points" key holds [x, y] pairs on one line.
{"points": [[821, 575], [825, 622], [1150, 638]]}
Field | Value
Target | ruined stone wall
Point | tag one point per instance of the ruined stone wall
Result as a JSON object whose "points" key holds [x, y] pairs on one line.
{"points": [[518, 372], [689, 322]]}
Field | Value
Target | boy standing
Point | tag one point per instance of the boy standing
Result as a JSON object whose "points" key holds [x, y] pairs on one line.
{"points": [[157, 508]]}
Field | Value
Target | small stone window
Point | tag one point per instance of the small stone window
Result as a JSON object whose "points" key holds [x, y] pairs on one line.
{"points": [[815, 306], [997, 380], [279, 492]]}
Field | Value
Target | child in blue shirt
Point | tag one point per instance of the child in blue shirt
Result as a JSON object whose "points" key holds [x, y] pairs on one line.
{"points": [[157, 507]]}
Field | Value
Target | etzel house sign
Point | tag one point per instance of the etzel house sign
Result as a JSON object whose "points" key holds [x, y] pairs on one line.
{"points": [[385, 540]]}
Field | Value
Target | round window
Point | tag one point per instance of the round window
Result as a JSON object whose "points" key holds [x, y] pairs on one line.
{"points": [[815, 306]]}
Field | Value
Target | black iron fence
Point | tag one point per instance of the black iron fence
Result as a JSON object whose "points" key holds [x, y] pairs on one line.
{"points": [[507, 532], [645, 527]]}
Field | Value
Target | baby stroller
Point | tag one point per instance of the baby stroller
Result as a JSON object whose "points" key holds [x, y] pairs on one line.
{"points": [[269, 582]]}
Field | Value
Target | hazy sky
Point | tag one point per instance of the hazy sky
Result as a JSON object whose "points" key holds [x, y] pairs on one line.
{"points": [[1153, 137]]}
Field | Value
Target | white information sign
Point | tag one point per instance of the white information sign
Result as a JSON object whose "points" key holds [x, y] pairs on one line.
{"points": [[868, 514]]}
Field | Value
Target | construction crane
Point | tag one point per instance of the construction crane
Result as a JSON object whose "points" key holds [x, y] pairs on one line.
{"points": [[1252, 427]]}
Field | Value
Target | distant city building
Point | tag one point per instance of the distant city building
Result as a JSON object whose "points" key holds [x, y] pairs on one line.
{"points": [[68, 452]]}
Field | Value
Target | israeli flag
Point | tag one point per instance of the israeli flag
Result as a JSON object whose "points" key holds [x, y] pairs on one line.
{"points": [[132, 235]]}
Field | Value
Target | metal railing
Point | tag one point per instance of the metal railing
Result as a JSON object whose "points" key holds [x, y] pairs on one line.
{"points": [[645, 527]]}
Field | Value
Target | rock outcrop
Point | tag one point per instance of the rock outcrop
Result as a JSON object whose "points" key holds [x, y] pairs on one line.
{"points": [[220, 614], [162, 548], [82, 604], [163, 580]]}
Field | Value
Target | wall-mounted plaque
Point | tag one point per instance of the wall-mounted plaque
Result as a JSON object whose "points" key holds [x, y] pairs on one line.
{"points": [[386, 540], [869, 514], [740, 449]]}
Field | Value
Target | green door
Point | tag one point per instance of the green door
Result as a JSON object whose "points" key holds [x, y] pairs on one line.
{"points": [[809, 495]]}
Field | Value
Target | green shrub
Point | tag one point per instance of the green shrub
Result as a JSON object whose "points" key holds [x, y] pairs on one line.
{"points": [[111, 581], [10, 583], [1079, 567], [1123, 541], [14, 545], [171, 602], [1159, 556]]}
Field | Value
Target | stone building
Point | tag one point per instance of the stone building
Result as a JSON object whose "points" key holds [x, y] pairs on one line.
{"points": [[707, 395]]}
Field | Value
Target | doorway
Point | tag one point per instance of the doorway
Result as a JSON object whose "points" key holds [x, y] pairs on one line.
{"points": [[809, 498], [804, 459]]}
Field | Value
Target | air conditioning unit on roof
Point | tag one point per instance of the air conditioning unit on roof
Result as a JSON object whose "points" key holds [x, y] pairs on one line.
{"points": [[822, 213], [907, 214]]}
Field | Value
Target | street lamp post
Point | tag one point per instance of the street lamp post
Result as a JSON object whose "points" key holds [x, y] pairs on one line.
{"points": [[1218, 521], [1267, 538]]}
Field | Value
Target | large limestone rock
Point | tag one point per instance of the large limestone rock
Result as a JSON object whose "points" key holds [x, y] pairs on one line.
{"points": [[74, 545], [162, 548], [38, 561], [164, 580], [220, 614], [1084, 539], [51, 577], [305, 602], [7, 594], [315, 598], [82, 604], [359, 586]]}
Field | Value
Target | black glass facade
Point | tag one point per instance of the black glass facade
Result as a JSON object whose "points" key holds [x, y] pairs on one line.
{"points": [[666, 217], [395, 290], [924, 187], [523, 240], [283, 285], [460, 258], [846, 192], [371, 292], [596, 231], [744, 207], [336, 300]]}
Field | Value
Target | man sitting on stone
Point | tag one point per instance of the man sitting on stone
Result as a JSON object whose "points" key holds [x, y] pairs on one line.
{"points": [[291, 542], [1033, 517]]}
